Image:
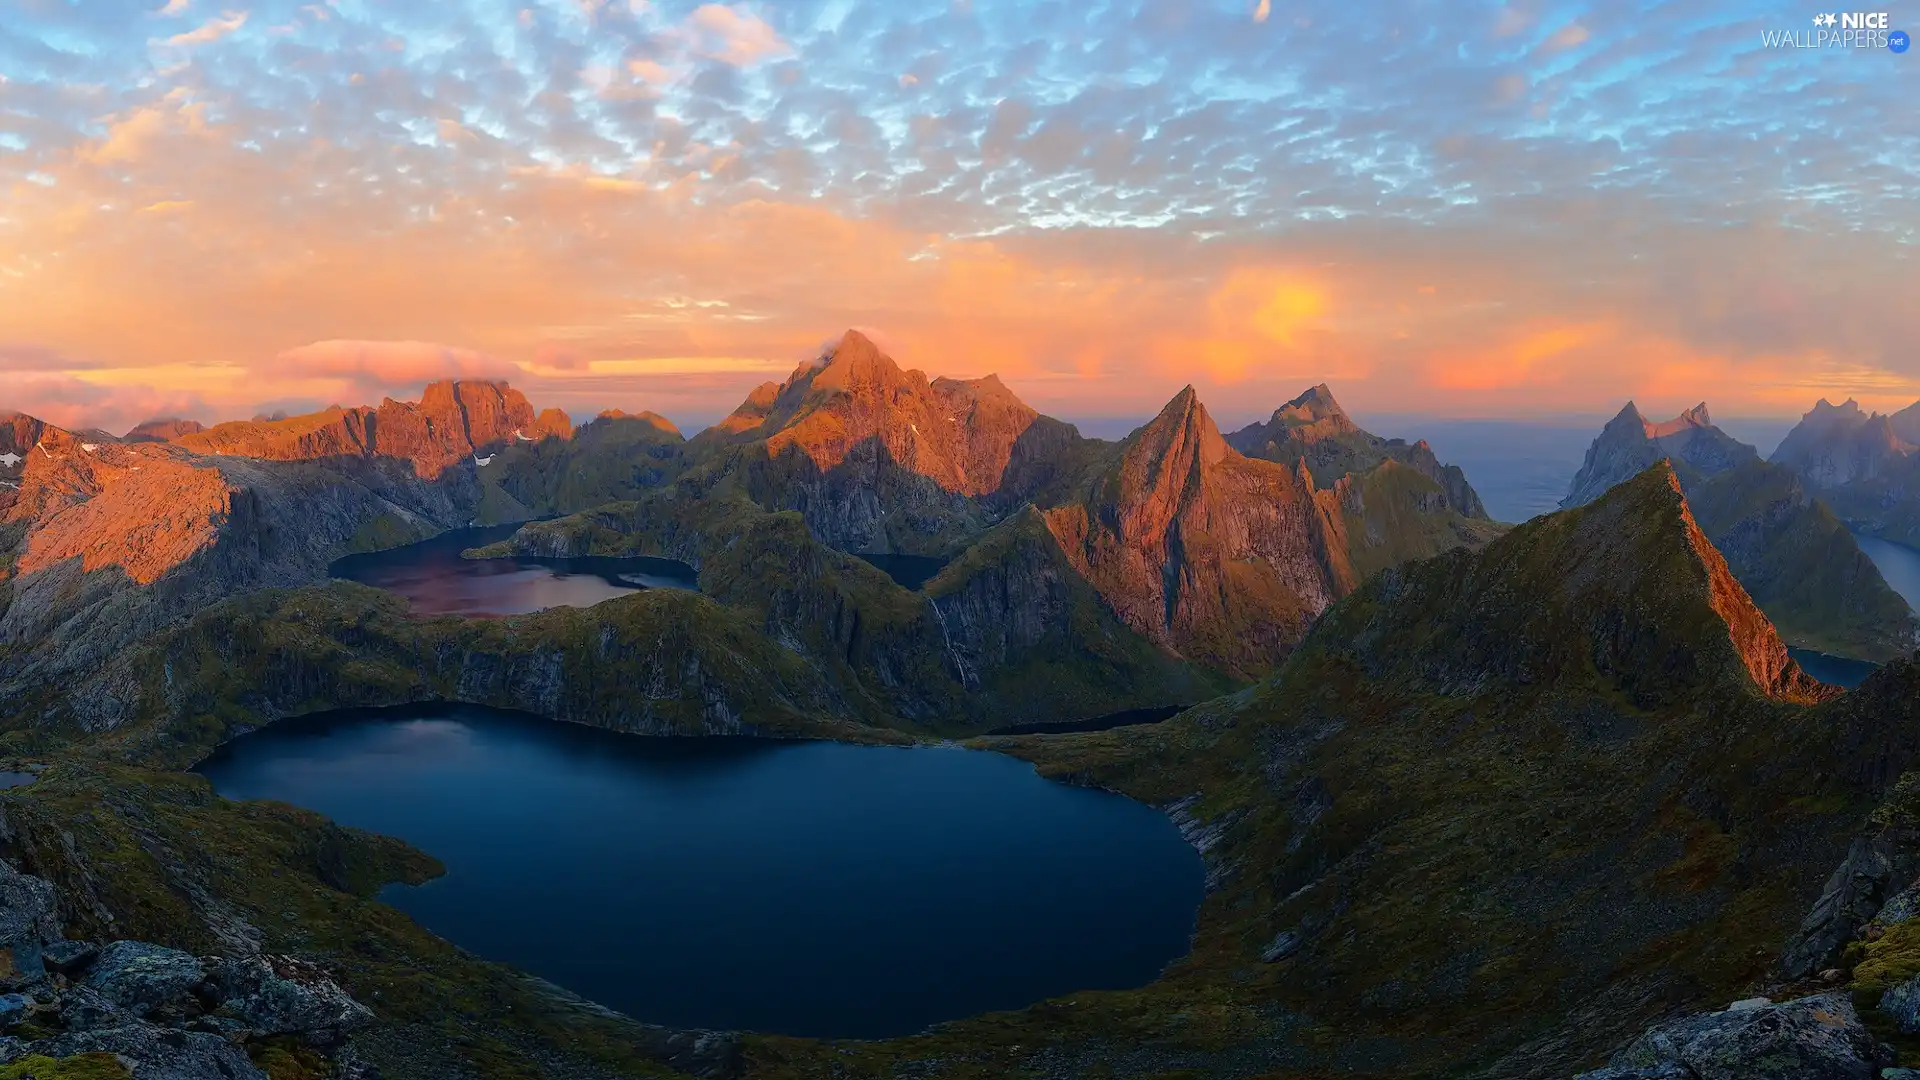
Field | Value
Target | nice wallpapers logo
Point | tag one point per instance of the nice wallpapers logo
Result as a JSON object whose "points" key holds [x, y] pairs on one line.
{"points": [[1842, 30]]}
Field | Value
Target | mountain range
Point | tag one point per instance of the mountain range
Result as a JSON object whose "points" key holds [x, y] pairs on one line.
{"points": [[1473, 800], [1863, 464], [1789, 550], [104, 542]]}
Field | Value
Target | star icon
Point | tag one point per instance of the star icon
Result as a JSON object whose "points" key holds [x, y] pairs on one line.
{"points": [[1831, 20]]}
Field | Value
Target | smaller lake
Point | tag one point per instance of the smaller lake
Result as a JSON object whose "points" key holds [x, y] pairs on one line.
{"points": [[907, 571], [805, 888], [1833, 670], [1126, 718], [436, 581], [1898, 563]]}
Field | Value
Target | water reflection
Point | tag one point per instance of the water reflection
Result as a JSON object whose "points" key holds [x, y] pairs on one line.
{"points": [[437, 581], [805, 888]]}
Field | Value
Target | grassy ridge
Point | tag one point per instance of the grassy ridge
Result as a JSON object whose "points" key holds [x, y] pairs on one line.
{"points": [[1800, 563]]}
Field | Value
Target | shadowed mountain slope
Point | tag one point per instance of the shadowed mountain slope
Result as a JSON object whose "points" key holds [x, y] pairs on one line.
{"points": [[1863, 465], [1787, 548], [614, 457]]}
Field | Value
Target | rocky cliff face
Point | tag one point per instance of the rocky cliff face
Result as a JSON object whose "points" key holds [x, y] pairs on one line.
{"points": [[452, 422], [1220, 557], [103, 543], [881, 459], [1315, 428], [1630, 444]]}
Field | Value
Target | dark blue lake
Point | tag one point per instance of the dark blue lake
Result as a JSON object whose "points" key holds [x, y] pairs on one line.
{"points": [[907, 571], [810, 888], [1898, 563], [437, 581], [1833, 670]]}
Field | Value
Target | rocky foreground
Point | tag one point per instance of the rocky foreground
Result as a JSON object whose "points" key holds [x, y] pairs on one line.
{"points": [[142, 1011]]}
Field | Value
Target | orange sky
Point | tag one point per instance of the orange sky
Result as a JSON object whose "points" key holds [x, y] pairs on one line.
{"points": [[178, 248]]}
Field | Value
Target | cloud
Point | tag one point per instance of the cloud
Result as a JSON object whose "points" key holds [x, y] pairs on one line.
{"points": [[1262, 10], [402, 363], [174, 7], [1514, 18], [1565, 38], [1099, 201], [733, 36], [210, 31], [76, 405]]}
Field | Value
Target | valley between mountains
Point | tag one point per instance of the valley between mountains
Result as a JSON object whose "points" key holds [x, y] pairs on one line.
{"points": [[1475, 799]]}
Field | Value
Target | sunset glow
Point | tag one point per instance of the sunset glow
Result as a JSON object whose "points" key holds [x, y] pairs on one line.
{"points": [[213, 211]]}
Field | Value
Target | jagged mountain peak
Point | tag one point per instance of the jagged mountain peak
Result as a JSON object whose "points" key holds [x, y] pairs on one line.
{"points": [[1630, 443], [1314, 409], [1183, 430], [1695, 417], [1629, 413], [1222, 558], [855, 363]]}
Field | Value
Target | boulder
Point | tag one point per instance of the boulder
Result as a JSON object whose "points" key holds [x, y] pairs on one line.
{"points": [[1902, 1002], [1904, 906], [27, 924], [1665, 1070], [82, 1008], [14, 1008], [151, 1052], [1284, 945], [69, 958], [278, 995], [1810, 1038], [143, 978], [1852, 896]]}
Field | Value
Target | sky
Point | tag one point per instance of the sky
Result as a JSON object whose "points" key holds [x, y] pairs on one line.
{"points": [[215, 209]]}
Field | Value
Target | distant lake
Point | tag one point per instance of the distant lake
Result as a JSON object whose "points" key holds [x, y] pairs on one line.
{"points": [[437, 581], [1898, 563], [812, 889], [1834, 670], [907, 571]]}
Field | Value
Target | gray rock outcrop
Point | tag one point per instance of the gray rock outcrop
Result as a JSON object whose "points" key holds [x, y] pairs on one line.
{"points": [[1810, 1038], [163, 1013]]}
